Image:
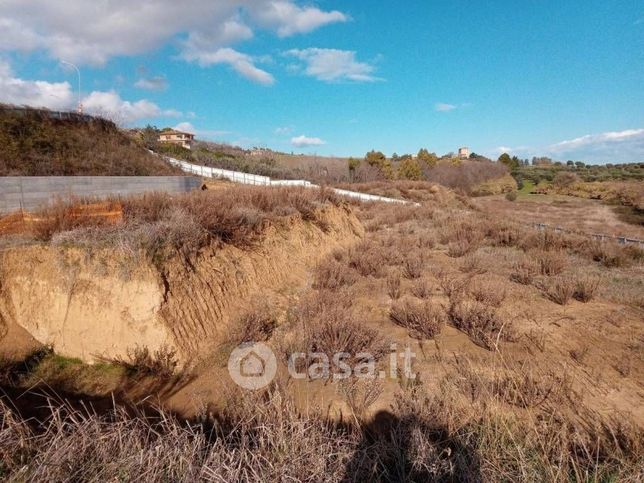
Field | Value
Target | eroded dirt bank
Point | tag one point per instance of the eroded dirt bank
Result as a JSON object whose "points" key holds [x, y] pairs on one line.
{"points": [[102, 303]]}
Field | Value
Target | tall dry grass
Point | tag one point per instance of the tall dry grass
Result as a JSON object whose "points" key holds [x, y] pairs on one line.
{"points": [[155, 222]]}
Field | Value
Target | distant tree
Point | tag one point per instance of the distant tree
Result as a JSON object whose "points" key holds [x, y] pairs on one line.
{"points": [[426, 157], [150, 137], [375, 158], [511, 163], [380, 161], [580, 164], [558, 163], [395, 157], [353, 164], [409, 168], [570, 163]]}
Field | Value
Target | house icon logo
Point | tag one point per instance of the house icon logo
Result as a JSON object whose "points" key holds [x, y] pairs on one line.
{"points": [[252, 365]]}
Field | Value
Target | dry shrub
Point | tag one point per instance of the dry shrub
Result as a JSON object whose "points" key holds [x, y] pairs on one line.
{"points": [[550, 262], [393, 285], [464, 176], [325, 323], [140, 361], [460, 248], [486, 293], [559, 289], [524, 270], [189, 221], [452, 286], [423, 319], [413, 266], [610, 254], [461, 235], [586, 288], [544, 240], [426, 241], [366, 259], [421, 288], [332, 275], [528, 389], [481, 322], [472, 264], [256, 325]]}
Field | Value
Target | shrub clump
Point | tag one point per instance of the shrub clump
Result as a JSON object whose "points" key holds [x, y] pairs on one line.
{"points": [[423, 319]]}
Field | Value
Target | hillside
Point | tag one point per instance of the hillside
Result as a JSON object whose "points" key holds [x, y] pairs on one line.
{"points": [[34, 143], [526, 344]]}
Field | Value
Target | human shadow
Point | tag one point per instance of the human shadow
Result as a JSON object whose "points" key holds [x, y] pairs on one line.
{"points": [[407, 449]]}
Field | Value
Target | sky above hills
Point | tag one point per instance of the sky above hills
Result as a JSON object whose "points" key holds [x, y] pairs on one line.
{"points": [[558, 78]]}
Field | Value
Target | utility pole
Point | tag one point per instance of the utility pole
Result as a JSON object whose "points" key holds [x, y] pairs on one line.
{"points": [[80, 104]]}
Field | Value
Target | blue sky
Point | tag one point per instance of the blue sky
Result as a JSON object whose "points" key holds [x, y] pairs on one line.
{"points": [[558, 78]]}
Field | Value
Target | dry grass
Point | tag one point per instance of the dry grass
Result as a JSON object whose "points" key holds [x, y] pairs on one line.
{"points": [[473, 264], [158, 222], [559, 289], [586, 288], [550, 262], [161, 363], [256, 325], [421, 288], [333, 275], [481, 322], [423, 319], [413, 266], [393, 285], [325, 323], [525, 270]]}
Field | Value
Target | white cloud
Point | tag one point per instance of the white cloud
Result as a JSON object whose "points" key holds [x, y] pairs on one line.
{"points": [[241, 63], [110, 105], [61, 96], [92, 32], [304, 141], [283, 130], [36, 93], [602, 139], [289, 19], [333, 65], [444, 107], [611, 146], [504, 149], [157, 83]]}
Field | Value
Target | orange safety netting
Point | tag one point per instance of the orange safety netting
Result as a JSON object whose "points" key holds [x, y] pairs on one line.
{"points": [[20, 222]]}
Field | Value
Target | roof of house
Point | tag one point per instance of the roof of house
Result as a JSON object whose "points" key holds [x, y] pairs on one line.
{"points": [[174, 131]]}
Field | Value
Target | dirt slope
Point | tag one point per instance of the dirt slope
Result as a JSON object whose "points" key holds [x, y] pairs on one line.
{"points": [[103, 304]]}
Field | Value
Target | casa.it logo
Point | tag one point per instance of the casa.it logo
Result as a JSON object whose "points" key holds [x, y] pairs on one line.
{"points": [[252, 365]]}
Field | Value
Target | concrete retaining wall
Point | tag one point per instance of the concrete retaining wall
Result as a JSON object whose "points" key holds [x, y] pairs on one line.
{"points": [[31, 192]]}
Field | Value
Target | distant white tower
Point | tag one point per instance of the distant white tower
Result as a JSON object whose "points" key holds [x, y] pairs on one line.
{"points": [[464, 152]]}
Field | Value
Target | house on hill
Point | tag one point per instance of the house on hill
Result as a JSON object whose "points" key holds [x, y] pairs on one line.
{"points": [[172, 136], [464, 152]]}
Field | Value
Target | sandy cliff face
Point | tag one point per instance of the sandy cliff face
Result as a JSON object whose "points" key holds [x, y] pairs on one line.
{"points": [[102, 305]]}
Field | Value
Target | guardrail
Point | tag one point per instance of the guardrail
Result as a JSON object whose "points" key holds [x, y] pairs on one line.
{"points": [[622, 240], [255, 179]]}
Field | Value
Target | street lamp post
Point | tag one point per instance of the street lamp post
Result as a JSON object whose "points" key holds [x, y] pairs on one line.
{"points": [[80, 104]]}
